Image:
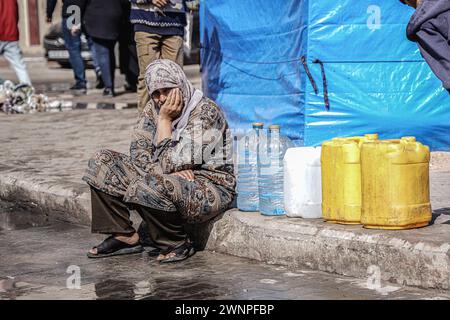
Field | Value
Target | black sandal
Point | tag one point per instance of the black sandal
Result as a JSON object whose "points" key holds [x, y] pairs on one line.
{"points": [[113, 247], [152, 252], [183, 252]]}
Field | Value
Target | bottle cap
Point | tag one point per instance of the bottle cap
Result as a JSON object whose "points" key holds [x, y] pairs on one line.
{"points": [[258, 125], [274, 127], [409, 139], [371, 136]]}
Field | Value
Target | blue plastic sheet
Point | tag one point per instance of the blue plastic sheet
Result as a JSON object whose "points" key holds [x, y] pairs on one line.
{"points": [[376, 79]]}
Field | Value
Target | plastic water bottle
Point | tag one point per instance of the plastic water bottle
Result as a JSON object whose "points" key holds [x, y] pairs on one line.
{"points": [[247, 177], [271, 172]]}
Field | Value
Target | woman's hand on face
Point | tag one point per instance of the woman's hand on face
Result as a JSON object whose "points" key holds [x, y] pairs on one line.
{"points": [[186, 174], [171, 109]]}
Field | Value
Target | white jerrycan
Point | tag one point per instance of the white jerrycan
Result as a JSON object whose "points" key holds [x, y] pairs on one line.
{"points": [[303, 183]]}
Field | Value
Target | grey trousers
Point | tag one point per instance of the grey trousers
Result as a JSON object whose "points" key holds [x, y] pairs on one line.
{"points": [[11, 51], [111, 215]]}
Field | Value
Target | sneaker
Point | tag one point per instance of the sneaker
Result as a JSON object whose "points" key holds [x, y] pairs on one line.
{"points": [[108, 92], [99, 84]]}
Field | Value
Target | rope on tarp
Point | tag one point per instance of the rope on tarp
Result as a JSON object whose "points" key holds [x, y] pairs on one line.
{"points": [[308, 73], [325, 84], [304, 62]]}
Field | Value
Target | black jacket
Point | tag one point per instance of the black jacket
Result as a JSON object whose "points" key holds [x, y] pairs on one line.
{"points": [[430, 28], [105, 18]]}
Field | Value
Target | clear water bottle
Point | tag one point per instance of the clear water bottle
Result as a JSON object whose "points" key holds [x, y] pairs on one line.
{"points": [[247, 176], [271, 172]]}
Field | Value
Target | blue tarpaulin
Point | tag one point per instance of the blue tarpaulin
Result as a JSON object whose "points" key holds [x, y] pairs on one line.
{"points": [[321, 69]]}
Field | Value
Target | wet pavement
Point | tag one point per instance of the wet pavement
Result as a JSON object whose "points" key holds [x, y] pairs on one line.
{"points": [[20, 216], [41, 258]]}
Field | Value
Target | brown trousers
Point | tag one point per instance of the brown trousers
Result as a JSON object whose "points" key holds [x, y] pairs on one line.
{"points": [[151, 47], [110, 215]]}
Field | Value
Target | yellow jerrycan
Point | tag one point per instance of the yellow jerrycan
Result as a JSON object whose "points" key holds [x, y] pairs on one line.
{"points": [[395, 184], [341, 179]]}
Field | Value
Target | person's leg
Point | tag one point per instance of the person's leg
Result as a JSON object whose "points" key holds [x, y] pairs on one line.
{"points": [[132, 72], [103, 56], [172, 49], [148, 49], [73, 45], [123, 52], [13, 54], [93, 53], [165, 229], [112, 61], [99, 81], [110, 215], [128, 62]]}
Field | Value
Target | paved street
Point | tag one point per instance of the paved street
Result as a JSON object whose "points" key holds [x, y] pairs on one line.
{"points": [[38, 257]]}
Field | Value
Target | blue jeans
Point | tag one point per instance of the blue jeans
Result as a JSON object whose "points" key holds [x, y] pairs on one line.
{"points": [[11, 51], [73, 45], [93, 54], [104, 50]]}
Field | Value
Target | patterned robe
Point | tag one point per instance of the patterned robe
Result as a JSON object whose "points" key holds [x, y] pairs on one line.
{"points": [[145, 178]]}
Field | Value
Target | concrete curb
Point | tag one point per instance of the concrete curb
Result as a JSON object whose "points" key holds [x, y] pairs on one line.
{"points": [[68, 204], [398, 257], [345, 250]]}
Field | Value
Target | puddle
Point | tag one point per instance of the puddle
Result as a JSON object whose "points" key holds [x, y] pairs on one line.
{"points": [[10, 289], [15, 217], [182, 289], [123, 290]]}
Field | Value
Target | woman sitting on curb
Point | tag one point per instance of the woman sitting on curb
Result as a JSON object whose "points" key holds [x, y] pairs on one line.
{"points": [[179, 170]]}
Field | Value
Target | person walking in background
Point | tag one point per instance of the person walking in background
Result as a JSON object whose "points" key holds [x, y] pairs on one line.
{"points": [[9, 39], [72, 39], [128, 59], [430, 28], [159, 30], [102, 20]]}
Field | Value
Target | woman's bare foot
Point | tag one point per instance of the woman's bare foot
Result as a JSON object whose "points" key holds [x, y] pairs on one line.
{"points": [[133, 239], [177, 254]]}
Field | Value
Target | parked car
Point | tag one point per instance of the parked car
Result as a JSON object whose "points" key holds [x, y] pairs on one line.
{"points": [[55, 49]]}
